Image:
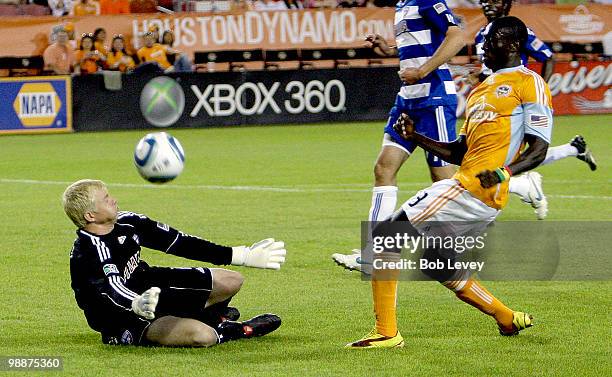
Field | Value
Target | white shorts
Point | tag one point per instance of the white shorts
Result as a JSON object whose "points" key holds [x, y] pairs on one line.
{"points": [[448, 202], [388, 141]]}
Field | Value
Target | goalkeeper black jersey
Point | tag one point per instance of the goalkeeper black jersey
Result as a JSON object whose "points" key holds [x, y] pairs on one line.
{"points": [[101, 266]]}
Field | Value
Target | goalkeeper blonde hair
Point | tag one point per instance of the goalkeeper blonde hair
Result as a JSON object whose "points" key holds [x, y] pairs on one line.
{"points": [[78, 199]]}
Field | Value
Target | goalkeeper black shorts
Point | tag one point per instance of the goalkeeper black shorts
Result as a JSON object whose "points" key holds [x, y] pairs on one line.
{"points": [[184, 292]]}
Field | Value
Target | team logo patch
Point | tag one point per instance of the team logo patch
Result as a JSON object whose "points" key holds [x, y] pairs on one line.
{"points": [[163, 226], [536, 44], [110, 269], [121, 239], [126, 337], [538, 120], [439, 7], [503, 91]]}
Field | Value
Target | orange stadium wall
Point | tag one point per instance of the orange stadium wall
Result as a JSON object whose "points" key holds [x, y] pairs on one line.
{"points": [[289, 29]]}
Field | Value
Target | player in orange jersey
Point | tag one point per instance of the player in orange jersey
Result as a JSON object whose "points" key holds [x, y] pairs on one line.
{"points": [[511, 107]]}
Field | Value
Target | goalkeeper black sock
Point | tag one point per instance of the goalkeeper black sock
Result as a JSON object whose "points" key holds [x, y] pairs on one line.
{"points": [[217, 313], [230, 330]]}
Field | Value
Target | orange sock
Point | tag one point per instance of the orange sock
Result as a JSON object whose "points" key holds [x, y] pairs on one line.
{"points": [[384, 294], [473, 293]]}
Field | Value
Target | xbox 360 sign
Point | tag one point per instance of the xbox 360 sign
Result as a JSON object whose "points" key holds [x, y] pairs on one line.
{"points": [[162, 101]]}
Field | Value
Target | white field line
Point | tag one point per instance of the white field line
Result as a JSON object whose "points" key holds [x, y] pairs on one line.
{"points": [[280, 189]]}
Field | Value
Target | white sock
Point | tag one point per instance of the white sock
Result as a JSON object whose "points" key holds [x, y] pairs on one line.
{"points": [[384, 199], [561, 151], [519, 185]]}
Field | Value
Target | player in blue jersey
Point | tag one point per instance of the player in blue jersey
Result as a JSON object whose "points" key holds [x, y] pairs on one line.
{"points": [[427, 37], [534, 47]]}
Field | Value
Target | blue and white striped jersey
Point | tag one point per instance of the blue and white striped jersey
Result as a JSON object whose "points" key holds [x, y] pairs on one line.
{"points": [[534, 47], [420, 28]]}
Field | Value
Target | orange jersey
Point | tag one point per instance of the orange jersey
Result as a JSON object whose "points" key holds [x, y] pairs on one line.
{"points": [[86, 9], [155, 53], [119, 61], [509, 104], [101, 47], [87, 64]]}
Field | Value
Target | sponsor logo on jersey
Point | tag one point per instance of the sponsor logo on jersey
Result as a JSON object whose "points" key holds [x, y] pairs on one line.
{"points": [[439, 7], [503, 91], [110, 269], [121, 239], [537, 44], [163, 226], [131, 265]]}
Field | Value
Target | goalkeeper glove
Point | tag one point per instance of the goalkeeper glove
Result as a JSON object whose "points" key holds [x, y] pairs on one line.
{"points": [[145, 304], [266, 253]]}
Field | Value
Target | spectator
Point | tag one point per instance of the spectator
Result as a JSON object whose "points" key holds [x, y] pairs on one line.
{"points": [[153, 53], [269, 5], [114, 6], [143, 6], [294, 4], [59, 57], [89, 60], [180, 61], [69, 27], [118, 59], [99, 37], [153, 28], [351, 3], [86, 7], [60, 7]]}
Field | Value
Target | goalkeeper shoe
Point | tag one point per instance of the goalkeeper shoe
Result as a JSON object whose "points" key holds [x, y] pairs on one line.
{"points": [[537, 199], [349, 261], [257, 326], [520, 321], [376, 340], [261, 325], [584, 153]]}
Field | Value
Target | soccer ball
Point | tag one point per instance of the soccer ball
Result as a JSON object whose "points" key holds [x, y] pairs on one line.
{"points": [[159, 157]]}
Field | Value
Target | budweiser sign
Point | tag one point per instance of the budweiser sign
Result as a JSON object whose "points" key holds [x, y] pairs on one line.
{"points": [[576, 88]]}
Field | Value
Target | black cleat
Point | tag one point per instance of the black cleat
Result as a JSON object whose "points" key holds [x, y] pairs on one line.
{"points": [[261, 325], [230, 313], [584, 153]]}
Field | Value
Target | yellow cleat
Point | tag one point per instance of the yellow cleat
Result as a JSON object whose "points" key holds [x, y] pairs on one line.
{"points": [[520, 321], [376, 340]]}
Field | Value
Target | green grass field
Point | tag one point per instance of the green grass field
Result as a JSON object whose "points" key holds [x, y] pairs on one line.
{"points": [[309, 186]]}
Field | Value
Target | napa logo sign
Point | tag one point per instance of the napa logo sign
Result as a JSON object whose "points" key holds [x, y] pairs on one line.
{"points": [[39, 104]]}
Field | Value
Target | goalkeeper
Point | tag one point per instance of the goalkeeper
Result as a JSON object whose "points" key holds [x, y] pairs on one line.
{"points": [[130, 302]]}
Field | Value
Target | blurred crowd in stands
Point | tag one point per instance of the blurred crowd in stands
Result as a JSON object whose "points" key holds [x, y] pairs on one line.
{"points": [[90, 53], [93, 7], [153, 50]]}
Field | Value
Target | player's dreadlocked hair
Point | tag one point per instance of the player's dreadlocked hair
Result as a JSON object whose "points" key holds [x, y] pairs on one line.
{"points": [[506, 5], [511, 29]]}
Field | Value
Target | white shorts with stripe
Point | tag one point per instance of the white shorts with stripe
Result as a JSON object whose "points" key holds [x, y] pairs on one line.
{"points": [[447, 201]]}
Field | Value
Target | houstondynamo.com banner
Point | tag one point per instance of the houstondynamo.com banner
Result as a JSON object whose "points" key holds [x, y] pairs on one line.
{"points": [[502, 250], [235, 98], [35, 104]]}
